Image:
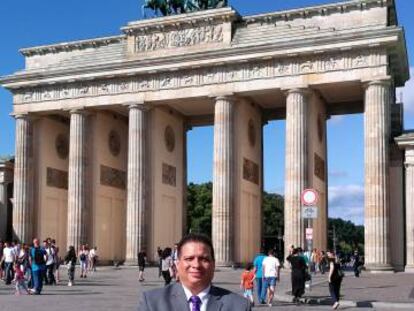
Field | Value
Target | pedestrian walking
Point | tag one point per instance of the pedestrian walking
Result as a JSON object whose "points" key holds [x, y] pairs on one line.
{"points": [[83, 260], [167, 265], [20, 280], [357, 265], [9, 257], [142, 258], [50, 264], [335, 278], [93, 259], [271, 274], [260, 291], [38, 264], [159, 254], [2, 266], [70, 261], [247, 279], [298, 274]]}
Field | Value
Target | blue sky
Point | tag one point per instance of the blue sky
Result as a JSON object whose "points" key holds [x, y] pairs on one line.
{"points": [[25, 23]]}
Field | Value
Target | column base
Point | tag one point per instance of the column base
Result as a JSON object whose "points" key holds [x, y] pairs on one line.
{"points": [[409, 269], [379, 268], [131, 262], [225, 265]]}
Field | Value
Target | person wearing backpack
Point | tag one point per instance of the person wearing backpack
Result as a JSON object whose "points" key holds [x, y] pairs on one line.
{"points": [[83, 260], [38, 263]]}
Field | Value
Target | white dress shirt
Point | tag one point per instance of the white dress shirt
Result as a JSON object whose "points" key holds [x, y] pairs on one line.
{"points": [[203, 295]]}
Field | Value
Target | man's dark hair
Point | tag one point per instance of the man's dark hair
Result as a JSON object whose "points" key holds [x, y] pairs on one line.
{"points": [[195, 237]]}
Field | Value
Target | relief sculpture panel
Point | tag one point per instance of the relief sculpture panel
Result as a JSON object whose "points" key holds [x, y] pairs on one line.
{"points": [[179, 38], [113, 177], [169, 175], [250, 171], [56, 178], [319, 167]]}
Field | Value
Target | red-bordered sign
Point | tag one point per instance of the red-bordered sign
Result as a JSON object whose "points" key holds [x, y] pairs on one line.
{"points": [[309, 197]]}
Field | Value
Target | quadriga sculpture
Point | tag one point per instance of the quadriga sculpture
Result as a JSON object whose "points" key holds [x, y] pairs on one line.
{"points": [[169, 7]]}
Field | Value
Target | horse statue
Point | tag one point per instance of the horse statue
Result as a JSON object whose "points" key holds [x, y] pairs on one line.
{"points": [[168, 7], [157, 6], [176, 6]]}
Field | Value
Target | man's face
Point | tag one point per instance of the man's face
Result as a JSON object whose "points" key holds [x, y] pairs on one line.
{"points": [[195, 266]]}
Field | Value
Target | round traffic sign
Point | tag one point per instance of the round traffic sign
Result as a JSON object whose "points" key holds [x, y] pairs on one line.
{"points": [[309, 197]]}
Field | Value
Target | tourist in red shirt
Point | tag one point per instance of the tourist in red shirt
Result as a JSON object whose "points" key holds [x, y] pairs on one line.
{"points": [[246, 284]]}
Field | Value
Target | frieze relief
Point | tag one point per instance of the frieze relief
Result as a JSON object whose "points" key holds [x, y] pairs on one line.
{"points": [[257, 70], [179, 38], [56, 178], [113, 177], [251, 171], [169, 175]]}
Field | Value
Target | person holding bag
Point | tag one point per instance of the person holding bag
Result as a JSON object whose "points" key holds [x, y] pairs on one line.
{"points": [[335, 278]]}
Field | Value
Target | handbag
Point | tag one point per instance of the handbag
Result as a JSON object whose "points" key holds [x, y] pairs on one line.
{"points": [[308, 276]]}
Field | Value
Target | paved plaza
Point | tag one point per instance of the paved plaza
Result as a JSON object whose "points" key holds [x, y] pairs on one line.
{"points": [[118, 289]]}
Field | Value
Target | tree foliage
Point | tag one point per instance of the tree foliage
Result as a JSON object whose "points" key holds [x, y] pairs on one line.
{"points": [[199, 203], [348, 235]]}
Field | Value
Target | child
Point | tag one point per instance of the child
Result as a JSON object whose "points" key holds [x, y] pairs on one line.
{"points": [[247, 279], [19, 280]]}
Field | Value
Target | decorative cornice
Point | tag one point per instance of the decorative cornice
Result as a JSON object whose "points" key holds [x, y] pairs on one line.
{"points": [[176, 22], [71, 46], [320, 10], [237, 54], [203, 76], [406, 140]]}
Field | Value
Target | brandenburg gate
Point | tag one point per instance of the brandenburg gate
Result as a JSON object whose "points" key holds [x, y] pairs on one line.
{"points": [[101, 128]]}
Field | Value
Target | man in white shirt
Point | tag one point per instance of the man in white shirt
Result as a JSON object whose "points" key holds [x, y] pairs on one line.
{"points": [[271, 274], [9, 256], [195, 267]]}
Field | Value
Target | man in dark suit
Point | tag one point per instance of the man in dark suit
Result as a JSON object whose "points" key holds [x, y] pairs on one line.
{"points": [[195, 266]]}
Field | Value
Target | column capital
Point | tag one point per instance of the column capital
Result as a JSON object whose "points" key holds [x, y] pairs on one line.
{"points": [[139, 105], [24, 115], [78, 110], [224, 96], [384, 81]]}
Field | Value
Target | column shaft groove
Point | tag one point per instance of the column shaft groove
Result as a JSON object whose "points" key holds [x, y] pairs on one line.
{"points": [[136, 201], [77, 191], [377, 209], [222, 214], [295, 166], [23, 180]]}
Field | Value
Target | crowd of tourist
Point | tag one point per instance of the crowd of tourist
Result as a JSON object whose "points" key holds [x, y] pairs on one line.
{"points": [[30, 267], [264, 272]]}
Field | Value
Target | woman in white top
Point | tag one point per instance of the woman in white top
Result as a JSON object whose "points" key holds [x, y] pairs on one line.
{"points": [[167, 265]]}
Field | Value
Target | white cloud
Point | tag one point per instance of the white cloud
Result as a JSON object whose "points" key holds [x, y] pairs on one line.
{"points": [[338, 174], [336, 119], [408, 93], [347, 202]]}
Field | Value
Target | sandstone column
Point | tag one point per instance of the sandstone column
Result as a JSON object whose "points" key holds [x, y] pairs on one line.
{"points": [[295, 166], [23, 180], [377, 209], [77, 191], [3, 209], [222, 214], [409, 211], [136, 203]]}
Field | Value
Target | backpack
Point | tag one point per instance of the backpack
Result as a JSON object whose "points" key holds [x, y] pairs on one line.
{"points": [[38, 257]]}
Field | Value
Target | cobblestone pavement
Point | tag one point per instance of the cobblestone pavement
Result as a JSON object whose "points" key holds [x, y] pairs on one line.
{"points": [[118, 289]]}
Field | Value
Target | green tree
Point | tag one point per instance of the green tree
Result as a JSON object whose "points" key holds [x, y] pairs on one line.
{"points": [[348, 235], [199, 201]]}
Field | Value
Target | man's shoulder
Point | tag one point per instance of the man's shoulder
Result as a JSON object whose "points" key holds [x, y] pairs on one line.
{"points": [[160, 292], [228, 298]]}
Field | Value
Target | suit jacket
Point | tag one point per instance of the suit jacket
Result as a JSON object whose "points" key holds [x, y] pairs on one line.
{"points": [[173, 298]]}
